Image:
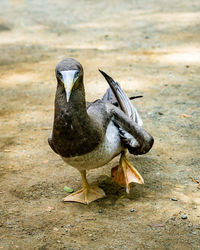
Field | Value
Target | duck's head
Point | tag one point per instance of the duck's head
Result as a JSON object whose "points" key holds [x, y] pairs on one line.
{"points": [[69, 74]]}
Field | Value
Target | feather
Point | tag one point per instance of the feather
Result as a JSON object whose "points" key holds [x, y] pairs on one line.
{"points": [[122, 99]]}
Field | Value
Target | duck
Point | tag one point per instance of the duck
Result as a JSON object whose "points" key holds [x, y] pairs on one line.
{"points": [[88, 135]]}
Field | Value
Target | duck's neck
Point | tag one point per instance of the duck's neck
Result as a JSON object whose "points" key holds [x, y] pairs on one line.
{"points": [[73, 128], [76, 106]]}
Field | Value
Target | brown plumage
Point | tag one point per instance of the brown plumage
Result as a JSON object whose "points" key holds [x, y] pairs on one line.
{"points": [[88, 135]]}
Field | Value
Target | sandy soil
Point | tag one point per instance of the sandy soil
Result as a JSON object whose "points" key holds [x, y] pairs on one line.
{"points": [[152, 48]]}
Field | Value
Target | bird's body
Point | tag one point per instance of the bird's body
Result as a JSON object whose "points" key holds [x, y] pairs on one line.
{"points": [[106, 150], [89, 135]]}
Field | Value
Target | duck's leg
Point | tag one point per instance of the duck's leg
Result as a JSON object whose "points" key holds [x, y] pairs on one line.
{"points": [[87, 193], [125, 173]]}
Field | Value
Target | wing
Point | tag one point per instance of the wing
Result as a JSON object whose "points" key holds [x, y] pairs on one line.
{"points": [[134, 137], [116, 95], [129, 123], [110, 97], [50, 143]]}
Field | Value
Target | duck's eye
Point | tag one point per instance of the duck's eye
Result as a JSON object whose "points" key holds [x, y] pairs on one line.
{"points": [[59, 74], [76, 74]]}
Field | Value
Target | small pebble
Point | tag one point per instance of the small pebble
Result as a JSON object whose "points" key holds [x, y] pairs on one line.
{"points": [[193, 232], [174, 218], [132, 210], [66, 230], [78, 221], [184, 216], [100, 211], [174, 199], [68, 225]]}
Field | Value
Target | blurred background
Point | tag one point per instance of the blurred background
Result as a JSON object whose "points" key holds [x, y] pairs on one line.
{"points": [[152, 48]]}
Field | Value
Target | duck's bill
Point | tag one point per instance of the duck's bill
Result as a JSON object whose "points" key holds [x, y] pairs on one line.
{"points": [[68, 79]]}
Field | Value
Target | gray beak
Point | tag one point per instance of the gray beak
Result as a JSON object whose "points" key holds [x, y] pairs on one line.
{"points": [[69, 77]]}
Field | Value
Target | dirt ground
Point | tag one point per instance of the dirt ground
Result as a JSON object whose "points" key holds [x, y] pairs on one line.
{"points": [[152, 48]]}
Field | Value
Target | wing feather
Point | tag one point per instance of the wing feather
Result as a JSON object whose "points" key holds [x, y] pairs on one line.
{"points": [[128, 122], [120, 96]]}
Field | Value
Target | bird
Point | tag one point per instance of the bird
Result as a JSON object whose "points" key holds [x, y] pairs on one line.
{"points": [[88, 135]]}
